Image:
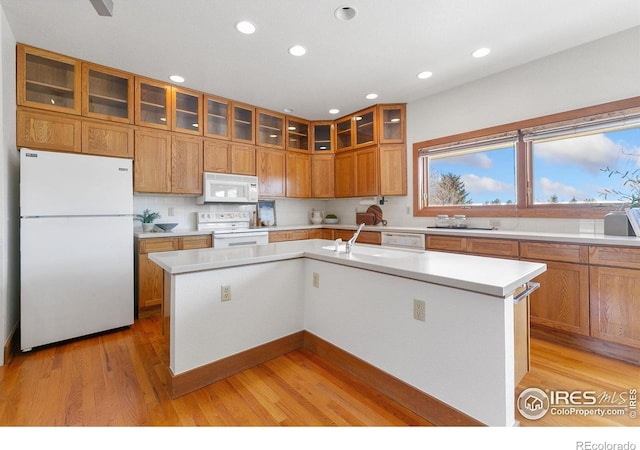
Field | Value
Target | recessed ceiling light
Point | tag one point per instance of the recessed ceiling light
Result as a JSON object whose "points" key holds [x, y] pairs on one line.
{"points": [[245, 27], [481, 52], [176, 78], [345, 13], [334, 111], [424, 75], [288, 110], [297, 50], [371, 96]]}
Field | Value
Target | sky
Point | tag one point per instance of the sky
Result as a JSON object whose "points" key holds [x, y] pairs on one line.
{"points": [[566, 170]]}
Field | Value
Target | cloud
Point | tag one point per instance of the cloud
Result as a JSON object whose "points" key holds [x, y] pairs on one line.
{"points": [[480, 160], [592, 152], [547, 188], [474, 183]]}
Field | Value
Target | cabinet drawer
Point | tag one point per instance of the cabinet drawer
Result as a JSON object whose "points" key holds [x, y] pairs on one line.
{"points": [[157, 245], [493, 247], [447, 243], [365, 237], [555, 252], [191, 242], [316, 234], [615, 257], [291, 235]]}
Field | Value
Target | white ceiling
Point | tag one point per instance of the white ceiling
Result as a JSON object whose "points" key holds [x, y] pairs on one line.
{"points": [[380, 51]]}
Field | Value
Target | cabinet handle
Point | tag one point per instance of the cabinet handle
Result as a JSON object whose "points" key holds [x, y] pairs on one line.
{"points": [[531, 286]]}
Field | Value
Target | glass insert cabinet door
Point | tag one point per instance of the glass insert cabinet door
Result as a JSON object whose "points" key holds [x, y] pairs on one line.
{"points": [[392, 124], [47, 80], [297, 134], [344, 134], [217, 117], [186, 110], [108, 94], [365, 129], [323, 137], [243, 116], [153, 100], [270, 129]]}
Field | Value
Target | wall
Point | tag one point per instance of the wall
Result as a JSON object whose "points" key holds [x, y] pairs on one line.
{"points": [[598, 72], [9, 212]]}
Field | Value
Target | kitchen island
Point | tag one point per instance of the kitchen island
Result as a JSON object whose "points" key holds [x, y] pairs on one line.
{"points": [[228, 309]]}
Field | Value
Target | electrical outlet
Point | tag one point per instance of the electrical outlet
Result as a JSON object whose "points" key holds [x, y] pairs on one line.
{"points": [[419, 310], [316, 280], [225, 293]]}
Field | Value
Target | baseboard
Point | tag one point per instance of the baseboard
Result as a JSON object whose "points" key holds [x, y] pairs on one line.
{"points": [[430, 408], [426, 406], [587, 343], [199, 377]]}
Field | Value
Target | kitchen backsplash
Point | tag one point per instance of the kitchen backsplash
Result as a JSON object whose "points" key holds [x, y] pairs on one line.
{"points": [[396, 210]]}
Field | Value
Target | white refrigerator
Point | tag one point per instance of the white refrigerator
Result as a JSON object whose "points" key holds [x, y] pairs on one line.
{"points": [[76, 246]]}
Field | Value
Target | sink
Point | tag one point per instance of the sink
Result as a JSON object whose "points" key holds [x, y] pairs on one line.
{"points": [[369, 251]]}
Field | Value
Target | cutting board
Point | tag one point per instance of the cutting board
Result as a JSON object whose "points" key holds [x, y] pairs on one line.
{"points": [[377, 212]]}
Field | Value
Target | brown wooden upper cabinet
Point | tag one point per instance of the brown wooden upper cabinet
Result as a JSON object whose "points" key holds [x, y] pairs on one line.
{"points": [[392, 123], [217, 113], [187, 111], [270, 128], [344, 134], [364, 125], [322, 135], [298, 134], [107, 93], [243, 121], [153, 104], [47, 80]]}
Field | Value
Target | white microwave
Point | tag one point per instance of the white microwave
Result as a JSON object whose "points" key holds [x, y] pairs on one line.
{"points": [[225, 188]]}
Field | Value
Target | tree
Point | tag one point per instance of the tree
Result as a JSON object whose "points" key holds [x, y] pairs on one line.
{"points": [[447, 189]]}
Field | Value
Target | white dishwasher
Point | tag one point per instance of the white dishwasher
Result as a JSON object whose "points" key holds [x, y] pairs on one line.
{"points": [[407, 241]]}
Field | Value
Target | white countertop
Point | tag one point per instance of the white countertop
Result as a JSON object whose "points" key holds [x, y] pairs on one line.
{"points": [[491, 276], [572, 238]]}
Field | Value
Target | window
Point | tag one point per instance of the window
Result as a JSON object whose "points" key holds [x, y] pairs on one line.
{"points": [[471, 173], [584, 164], [481, 176], [580, 163]]}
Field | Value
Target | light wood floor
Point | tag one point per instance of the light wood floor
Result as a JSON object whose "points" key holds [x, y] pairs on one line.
{"points": [[117, 379]]}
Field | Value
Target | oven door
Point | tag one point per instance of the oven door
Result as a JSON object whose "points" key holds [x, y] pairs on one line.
{"points": [[225, 240]]}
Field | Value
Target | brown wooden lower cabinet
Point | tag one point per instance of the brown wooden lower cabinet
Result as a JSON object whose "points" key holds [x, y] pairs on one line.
{"points": [[562, 302], [615, 305], [149, 276]]}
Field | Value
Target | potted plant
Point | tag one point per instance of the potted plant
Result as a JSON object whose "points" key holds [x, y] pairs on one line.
{"points": [[330, 218], [147, 217]]}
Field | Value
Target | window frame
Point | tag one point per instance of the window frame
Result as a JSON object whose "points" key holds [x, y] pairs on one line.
{"points": [[524, 205]]}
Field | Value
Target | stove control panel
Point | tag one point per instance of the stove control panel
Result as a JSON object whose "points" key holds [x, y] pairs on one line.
{"points": [[217, 217]]}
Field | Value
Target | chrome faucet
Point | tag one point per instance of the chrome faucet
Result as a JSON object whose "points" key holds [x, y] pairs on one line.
{"points": [[352, 241]]}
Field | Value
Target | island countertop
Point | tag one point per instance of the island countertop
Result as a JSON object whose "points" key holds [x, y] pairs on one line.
{"points": [[491, 276]]}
